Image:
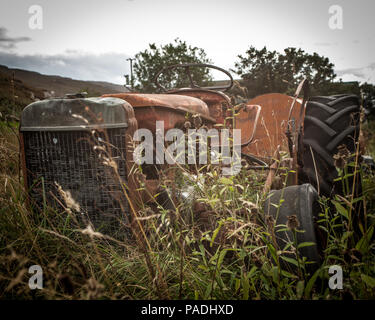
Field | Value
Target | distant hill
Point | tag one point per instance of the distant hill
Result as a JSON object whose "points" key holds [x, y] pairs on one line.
{"points": [[61, 85], [29, 86]]}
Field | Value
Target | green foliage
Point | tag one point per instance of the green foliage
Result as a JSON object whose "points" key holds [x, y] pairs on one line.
{"points": [[369, 137], [265, 71], [333, 88], [368, 96], [368, 90], [150, 61], [348, 225]]}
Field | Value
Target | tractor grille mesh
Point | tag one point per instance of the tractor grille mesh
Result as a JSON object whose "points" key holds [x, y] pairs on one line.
{"points": [[70, 159]]}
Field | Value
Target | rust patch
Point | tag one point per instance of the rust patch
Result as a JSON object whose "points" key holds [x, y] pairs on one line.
{"points": [[272, 125], [171, 109]]}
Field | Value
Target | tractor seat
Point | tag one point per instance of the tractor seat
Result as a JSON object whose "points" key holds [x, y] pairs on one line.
{"points": [[175, 102]]}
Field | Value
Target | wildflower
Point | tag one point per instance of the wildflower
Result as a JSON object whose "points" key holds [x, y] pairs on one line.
{"points": [[187, 125], [341, 158], [339, 162], [292, 222], [244, 164], [197, 121]]}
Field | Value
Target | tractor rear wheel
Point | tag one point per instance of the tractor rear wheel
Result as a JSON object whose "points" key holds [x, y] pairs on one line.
{"points": [[330, 123]]}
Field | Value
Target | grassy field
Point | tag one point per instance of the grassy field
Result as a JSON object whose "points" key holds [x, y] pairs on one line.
{"points": [[210, 247]]}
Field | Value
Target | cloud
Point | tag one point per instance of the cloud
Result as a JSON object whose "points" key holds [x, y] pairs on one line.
{"points": [[358, 72], [363, 74], [73, 64], [8, 42]]}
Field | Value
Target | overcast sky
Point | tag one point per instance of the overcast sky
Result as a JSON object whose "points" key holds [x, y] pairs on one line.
{"points": [[91, 39]]}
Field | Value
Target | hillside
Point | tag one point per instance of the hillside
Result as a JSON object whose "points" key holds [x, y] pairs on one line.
{"points": [[29, 85], [60, 85]]}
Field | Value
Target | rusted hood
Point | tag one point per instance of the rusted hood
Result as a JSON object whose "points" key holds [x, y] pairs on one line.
{"points": [[176, 102]]}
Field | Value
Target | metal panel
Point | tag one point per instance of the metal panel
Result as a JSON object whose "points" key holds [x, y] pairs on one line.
{"points": [[70, 147], [70, 114], [68, 159], [272, 125]]}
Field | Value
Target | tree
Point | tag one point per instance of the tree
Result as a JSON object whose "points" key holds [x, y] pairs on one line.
{"points": [[153, 59], [368, 96], [265, 71], [368, 90]]}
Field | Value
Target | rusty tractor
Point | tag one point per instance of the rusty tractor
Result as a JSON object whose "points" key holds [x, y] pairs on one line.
{"points": [[316, 133]]}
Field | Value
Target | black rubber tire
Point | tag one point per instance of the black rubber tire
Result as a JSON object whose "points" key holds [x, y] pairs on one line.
{"points": [[301, 201], [329, 122]]}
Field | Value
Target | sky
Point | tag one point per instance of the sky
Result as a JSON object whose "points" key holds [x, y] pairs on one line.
{"points": [[91, 39]]}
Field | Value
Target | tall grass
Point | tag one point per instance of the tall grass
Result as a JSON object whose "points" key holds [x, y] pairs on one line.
{"points": [[211, 245]]}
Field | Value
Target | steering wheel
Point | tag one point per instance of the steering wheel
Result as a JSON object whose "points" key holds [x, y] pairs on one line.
{"points": [[186, 67]]}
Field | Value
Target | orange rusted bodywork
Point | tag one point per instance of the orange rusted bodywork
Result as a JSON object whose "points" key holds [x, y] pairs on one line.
{"points": [[216, 101], [272, 124], [247, 121], [171, 109], [219, 105], [262, 120]]}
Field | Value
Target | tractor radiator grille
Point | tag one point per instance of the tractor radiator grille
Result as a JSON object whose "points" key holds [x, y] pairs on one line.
{"points": [[75, 160]]}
